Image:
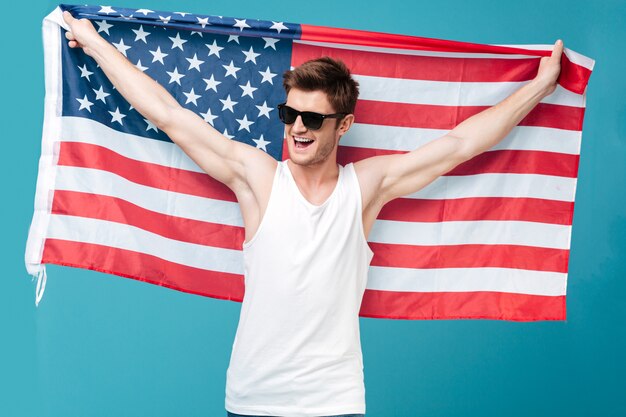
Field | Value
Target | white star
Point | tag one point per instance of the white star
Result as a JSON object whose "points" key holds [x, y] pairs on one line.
{"points": [[208, 117], [244, 123], [85, 103], [128, 17], [264, 110], [117, 116], [214, 49], [233, 38], [141, 34], [145, 11], [211, 83], [227, 135], [106, 9], [278, 26], [267, 76], [140, 67], [191, 97], [100, 94], [175, 76], [194, 62], [103, 26], [165, 19], [261, 143], [158, 55], [183, 14], [177, 42], [121, 47], [241, 24], [151, 126], [250, 55], [248, 90], [195, 32], [231, 69], [228, 104], [204, 21], [270, 43], [84, 72]]}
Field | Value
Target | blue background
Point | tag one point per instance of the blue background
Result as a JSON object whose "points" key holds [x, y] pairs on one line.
{"points": [[100, 345]]}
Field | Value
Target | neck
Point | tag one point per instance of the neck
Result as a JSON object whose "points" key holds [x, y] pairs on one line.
{"points": [[316, 175]]}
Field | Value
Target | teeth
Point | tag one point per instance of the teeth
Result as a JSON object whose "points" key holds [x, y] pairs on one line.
{"points": [[303, 140]]}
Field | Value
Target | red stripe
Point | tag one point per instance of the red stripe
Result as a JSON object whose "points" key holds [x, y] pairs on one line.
{"points": [[479, 208], [462, 305], [448, 117], [87, 155], [114, 209], [574, 77], [144, 267], [416, 67], [492, 162], [470, 256]]}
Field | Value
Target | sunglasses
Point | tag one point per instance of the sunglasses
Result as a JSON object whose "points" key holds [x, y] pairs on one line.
{"points": [[311, 120]]}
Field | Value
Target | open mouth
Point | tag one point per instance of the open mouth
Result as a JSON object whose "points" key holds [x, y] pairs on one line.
{"points": [[302, 143]]}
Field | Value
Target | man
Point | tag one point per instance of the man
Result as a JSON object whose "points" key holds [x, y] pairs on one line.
{"points": [[297, 350]]}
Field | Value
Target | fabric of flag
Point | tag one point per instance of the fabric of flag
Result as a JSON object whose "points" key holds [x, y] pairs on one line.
{"points": [[490, 239]]}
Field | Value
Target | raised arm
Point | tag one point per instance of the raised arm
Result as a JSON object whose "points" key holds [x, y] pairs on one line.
{"points": [[217, 155], [384, 178]]}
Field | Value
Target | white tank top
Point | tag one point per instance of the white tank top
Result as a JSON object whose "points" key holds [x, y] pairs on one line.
{"points": [[297, 350]]}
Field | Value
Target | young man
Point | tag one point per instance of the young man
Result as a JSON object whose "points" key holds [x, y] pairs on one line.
{"points": [[297, 350]]}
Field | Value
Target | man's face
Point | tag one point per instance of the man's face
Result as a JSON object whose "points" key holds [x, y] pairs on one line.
{"points": [[311, 147]]}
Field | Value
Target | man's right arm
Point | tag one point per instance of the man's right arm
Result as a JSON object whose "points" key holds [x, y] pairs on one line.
{"points": [[220, 157]]}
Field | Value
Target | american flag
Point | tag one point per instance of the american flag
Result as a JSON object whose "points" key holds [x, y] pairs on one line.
{"points": [[490, 239]]}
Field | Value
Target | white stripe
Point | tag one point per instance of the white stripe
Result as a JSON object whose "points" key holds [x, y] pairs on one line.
{"points": [[485, 232], [166, 202], [499, 185], [467, 279], [524, 138], [448, 93], [573, 56], [80, 129], [122, 236]]}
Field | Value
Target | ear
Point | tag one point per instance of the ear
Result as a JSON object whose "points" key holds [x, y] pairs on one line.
{"points": [[345, 124]]}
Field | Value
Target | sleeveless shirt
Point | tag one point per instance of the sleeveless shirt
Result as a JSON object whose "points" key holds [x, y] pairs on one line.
{"points": [[297, 350]]}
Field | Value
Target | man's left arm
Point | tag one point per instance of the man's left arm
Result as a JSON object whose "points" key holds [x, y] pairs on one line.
{"points": [[384, 178]]}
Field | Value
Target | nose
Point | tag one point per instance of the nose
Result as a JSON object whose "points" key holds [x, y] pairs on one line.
{"points": [[298, 125]]}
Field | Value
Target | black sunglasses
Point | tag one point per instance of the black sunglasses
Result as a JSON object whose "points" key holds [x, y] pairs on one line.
{"points": [[311, 120]]}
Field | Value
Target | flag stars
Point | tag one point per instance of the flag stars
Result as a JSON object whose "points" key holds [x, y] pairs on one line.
{"points": [[85, 103], [227, 135], [103, 26], [270, 43], [261, 143], [144, 11], [267, 76], [194, 62], [121, 47], [209, 117], [214, 49], [175, 76], [150, 125], [241, 24], [264, 110], [106, 10], [140, 67], [203, 21], [141, 34], [177, 41], [100, 94], [234, 38], [165, 19], [248, 90], [158, 55], [231, 69], [211, 83], [278, 26], [228, 104], [250, 55], [192, 97], [244, 123], [116, 116], [84, 72]]}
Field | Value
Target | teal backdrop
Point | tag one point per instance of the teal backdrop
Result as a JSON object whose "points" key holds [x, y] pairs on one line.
{"points": [[100, 345]]}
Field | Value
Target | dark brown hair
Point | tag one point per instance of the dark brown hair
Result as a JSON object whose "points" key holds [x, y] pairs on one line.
{"points": [[328, 75]]}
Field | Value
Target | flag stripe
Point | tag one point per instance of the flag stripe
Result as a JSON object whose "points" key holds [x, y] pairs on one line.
{"points": [[144, 267], [470, 256], [114, 209], [460, 305], [479, 208], [152, 175]]}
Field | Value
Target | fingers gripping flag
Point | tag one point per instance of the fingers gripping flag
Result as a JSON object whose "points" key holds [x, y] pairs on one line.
{"points": [[490, 239]]}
